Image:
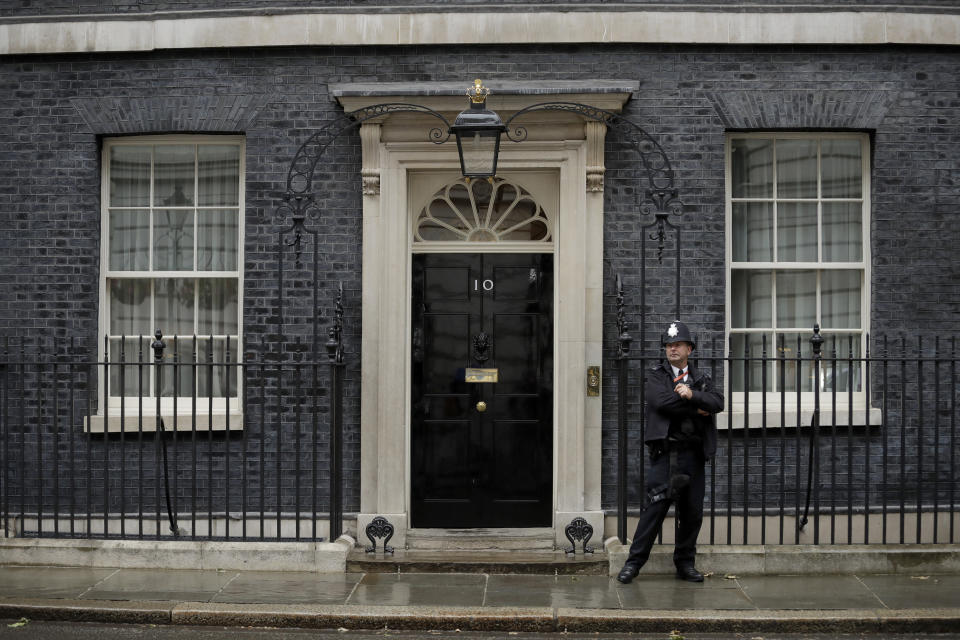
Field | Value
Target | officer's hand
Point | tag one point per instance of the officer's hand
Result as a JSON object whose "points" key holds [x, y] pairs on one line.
{"points": [[702, 412], [684, 391]]}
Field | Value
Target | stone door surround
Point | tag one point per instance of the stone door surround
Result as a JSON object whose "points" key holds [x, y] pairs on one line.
{"points": [[393, 147]]}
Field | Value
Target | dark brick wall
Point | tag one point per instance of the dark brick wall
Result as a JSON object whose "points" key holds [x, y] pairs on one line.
{"points": [[55, 110]]}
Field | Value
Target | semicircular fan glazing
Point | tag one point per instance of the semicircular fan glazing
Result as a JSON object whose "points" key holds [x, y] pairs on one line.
{"points": [[482, 211]]}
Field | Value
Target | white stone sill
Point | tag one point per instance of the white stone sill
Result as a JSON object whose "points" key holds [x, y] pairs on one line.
{"points": [[134, 423], [738, 418]]}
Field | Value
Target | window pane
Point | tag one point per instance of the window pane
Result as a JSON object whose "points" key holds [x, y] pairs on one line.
{"points": [[841, 168], [129, 308], [129, 240], [178, 374], [129, 176], [796, 298], [840, 299], [214, 375], [741, 368], [217, 242], [173, 306], [173, 240], [752, 170], [173, 176], [796, 168], [842, 232], [219, 175], [751, 299], [752, 232], [797, 232], [218, 306], [796, 351], [125, 380], [840, 367]]}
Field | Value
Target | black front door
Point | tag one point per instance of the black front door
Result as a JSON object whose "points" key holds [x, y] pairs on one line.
{"points": [[482, 453]]}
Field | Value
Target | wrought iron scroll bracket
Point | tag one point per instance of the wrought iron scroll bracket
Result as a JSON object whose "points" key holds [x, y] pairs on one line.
{"points": [[660, 196], [579, 530], [379, 527], [299, 202]]}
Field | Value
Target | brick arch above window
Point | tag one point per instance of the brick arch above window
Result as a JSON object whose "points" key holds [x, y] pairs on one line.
{"points": [[838, 109], [193, 114]]}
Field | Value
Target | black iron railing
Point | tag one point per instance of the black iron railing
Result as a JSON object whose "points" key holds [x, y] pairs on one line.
{"points": [[242, 444], [815, 445]]}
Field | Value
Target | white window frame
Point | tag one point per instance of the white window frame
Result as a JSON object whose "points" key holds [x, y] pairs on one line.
{"points": [[794, 415], [221, 412]]}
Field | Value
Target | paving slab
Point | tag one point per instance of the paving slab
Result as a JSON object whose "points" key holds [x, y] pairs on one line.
{"points": [[50, 582], [282, 587], [551, 591], [174, 584], [903, 592], [808, 592], [420, 589], [657, 592]]}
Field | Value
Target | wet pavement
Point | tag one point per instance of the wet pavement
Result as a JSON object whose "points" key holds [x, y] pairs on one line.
{"points": [[401, 600], [836, 592]]}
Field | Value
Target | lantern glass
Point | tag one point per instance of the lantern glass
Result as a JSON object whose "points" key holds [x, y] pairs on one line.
{"points": [[478, 152]]}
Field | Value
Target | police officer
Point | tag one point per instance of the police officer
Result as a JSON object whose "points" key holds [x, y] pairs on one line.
{"points": [[681, 435]]}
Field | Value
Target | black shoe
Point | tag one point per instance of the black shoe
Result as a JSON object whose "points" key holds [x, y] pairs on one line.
{"points": [[689, 573], [628, 573]]}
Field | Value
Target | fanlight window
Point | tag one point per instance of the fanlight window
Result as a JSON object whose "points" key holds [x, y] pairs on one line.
{"points": [[482, 211]]}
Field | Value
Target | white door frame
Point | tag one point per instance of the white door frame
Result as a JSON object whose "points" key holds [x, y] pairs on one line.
{"points": [[385, 383]]}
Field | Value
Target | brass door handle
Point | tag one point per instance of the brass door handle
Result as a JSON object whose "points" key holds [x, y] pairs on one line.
{"points": [[481, 406]]}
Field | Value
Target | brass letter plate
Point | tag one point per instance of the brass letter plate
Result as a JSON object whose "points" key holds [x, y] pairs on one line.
{"points": [[480, 375]]}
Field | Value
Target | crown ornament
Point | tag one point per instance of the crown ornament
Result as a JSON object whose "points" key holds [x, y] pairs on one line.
{"points": [[478, 93]]}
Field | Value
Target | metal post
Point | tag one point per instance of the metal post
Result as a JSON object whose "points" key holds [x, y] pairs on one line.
{"points": [[335, 355], [623, 351]]}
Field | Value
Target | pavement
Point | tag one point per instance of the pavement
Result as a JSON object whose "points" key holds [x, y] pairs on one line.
{"points": [[484, 602]]}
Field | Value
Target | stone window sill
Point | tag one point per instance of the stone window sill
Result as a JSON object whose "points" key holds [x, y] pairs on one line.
{"points": [[738, 418], [148, 423]]}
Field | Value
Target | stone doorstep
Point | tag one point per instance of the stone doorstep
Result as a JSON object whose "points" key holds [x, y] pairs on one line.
{"points": [[801, 559], [321, 557]]}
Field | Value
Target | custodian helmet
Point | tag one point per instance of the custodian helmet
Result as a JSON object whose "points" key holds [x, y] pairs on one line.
{"points": [[678, 332]]}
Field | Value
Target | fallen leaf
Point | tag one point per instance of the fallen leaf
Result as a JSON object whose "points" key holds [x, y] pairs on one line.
{"points": [[22, 622], [919, 577], [730, 576], [342, 629]]}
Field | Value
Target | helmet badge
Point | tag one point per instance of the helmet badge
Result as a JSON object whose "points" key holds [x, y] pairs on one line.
{"points": [[672, 331]]}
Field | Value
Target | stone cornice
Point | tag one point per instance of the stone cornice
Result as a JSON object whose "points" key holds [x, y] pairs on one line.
{"points": [[548, 26], [506, 96]]}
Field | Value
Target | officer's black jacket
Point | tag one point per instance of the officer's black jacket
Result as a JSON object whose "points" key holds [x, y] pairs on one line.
{"points": [[665, 406]]}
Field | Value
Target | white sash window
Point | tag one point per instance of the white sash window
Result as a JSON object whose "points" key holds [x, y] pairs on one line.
{"points": [[171, 260], [797, 254]]}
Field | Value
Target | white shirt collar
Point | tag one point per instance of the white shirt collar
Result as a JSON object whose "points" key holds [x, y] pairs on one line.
{"points": [[676, 372]]}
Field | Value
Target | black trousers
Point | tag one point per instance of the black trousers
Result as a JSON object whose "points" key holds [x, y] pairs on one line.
{"points": [[689, 501]]}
